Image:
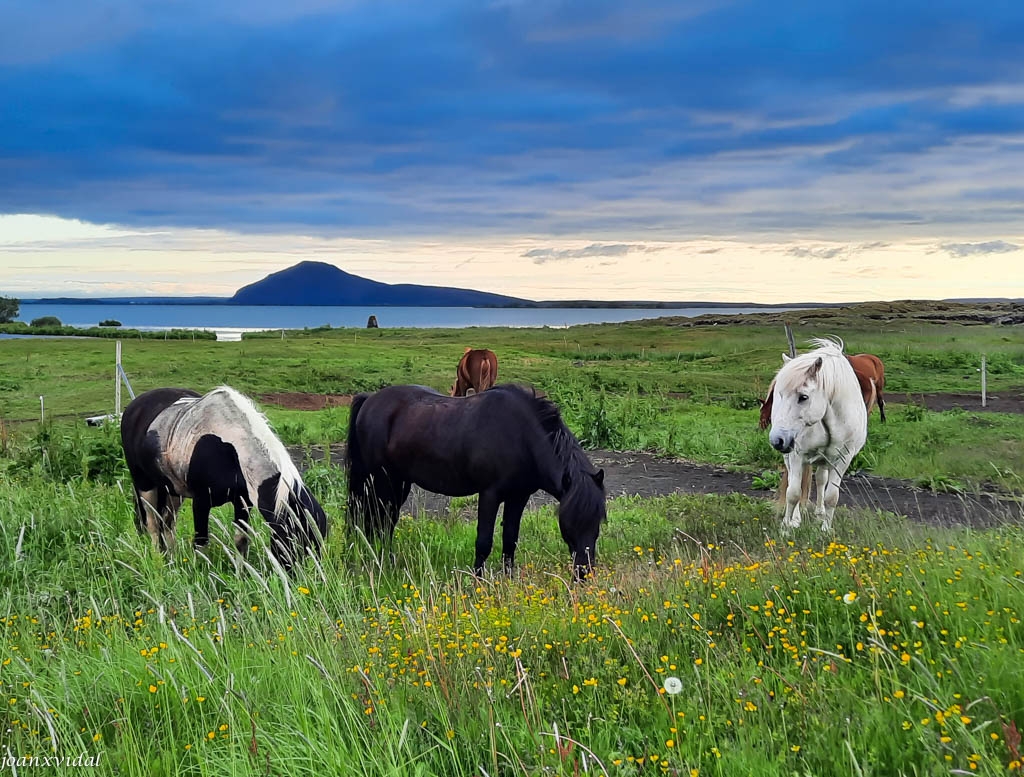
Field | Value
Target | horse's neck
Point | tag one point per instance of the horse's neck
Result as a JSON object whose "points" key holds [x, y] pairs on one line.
{"points": [[845, 412]]}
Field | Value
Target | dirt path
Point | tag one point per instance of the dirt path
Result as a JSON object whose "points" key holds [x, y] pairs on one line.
{"points": [[647, 475], [1009, 401]]}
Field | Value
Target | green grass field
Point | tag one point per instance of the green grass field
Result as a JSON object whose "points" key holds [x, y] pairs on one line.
{"points": [[707, 643]]}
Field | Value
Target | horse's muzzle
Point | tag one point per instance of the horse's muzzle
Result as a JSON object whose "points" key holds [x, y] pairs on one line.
{"points": [[783, 441]]}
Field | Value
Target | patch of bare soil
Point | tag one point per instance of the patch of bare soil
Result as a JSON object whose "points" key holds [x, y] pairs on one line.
{"points": [[1010, 401], [297, 400], [642, 474]]}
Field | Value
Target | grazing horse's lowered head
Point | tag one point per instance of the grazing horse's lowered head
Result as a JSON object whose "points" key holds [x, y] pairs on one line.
{"points": [[477, 372], [818, 418], [216, 449]]}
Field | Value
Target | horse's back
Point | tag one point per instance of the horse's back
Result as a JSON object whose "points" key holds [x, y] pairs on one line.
{"points": [[453, 445], [144, 410], [141, 452]]}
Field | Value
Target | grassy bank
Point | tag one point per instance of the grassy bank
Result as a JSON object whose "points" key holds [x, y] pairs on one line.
{"points": [[890, 650], [686, 391]]}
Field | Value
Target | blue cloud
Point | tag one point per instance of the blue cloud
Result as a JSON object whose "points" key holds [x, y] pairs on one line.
{"points": [[508, 116]]}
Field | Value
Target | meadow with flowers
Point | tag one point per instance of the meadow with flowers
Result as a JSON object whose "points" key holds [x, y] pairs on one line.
{"points": [[707, 642]]}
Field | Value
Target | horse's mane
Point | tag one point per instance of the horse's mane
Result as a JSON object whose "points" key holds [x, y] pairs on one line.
{"points": [[830, 375], [261, 431], [565, 446]]}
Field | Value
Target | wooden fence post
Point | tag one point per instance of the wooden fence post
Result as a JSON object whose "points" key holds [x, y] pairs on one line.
{"points": [[984, 382], [792, 342], [117, 379]]}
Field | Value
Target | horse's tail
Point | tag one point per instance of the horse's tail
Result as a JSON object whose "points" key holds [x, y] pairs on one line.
{"points": [[357, 473], [486, 381], [766, 408], [806, 477]]}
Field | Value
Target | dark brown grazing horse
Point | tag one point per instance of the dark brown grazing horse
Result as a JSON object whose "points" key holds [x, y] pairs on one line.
{"points": [[477, 372], [870, 375], [503, 444]]}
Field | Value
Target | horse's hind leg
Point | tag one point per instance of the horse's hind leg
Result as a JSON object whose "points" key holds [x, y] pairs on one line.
{"points": [[147, 515], [161, 517], [510, 520], [487, 513], [881, 406], [143, 500]]}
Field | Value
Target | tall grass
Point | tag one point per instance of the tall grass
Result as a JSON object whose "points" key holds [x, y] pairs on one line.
{"points": [[889, 649]]}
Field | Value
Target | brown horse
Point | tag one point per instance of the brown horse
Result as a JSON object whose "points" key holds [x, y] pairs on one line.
{"points": [[870, 375], [477, 372]]}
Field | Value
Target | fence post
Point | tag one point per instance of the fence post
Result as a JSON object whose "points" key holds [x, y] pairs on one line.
{"points": [[984, 382], [792, 342], [117, 379], [42, 410]]}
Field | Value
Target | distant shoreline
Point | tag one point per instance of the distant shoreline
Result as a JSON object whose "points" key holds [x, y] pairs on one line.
{"points": [[543, 305]]}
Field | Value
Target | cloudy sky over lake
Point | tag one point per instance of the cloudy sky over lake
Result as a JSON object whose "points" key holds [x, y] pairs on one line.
{"points": [[699, 150]]}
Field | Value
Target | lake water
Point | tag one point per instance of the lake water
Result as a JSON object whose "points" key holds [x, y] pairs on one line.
{"points": [[230, 321]]}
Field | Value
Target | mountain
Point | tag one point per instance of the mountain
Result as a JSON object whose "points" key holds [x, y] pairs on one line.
{"points": [[319, 283]]}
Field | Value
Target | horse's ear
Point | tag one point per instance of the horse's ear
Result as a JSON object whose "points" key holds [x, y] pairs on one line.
{"points": [[468, 349], [813, 369], [786, 358], [599, 477]]}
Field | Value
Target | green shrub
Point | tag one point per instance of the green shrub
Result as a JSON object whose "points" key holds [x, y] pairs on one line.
{"points": [[45, 321]]}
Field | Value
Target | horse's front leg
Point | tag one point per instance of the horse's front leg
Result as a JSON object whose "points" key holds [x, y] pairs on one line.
{"points": [[822, 479], [201, 505], [487, 513], [510, 521], [243, 532], [794, 471], [828, 501]]}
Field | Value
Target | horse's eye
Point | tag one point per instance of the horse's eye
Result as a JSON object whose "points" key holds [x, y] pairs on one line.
{"points": [[801, 398]]}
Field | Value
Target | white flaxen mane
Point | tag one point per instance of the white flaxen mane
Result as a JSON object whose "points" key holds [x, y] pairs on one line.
{"points": [[234, 418], [831, 375]]}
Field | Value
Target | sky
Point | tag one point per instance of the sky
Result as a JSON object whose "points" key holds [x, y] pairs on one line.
{"points": [[683, 150]]}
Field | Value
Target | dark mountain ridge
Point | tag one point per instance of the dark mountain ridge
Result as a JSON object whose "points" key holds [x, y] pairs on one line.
{"points": [[319, 283]]}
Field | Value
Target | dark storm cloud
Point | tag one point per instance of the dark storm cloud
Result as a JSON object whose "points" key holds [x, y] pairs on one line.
{"points": [[503, 116]]}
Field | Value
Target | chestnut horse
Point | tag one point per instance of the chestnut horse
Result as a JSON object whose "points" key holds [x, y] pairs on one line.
{"points": [[870, 375], [477, 372]]}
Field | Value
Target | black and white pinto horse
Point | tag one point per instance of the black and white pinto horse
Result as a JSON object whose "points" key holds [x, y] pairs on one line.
{"points": [[503, 444], [216, 449], [818, 419]]}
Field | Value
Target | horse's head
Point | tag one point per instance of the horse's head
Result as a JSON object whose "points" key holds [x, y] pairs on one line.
{"points": [[798, 401], [298, 522], [581, 511]]}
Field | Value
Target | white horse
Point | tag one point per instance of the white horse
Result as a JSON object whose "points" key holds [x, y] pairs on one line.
{"points": [[818, 419]]}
